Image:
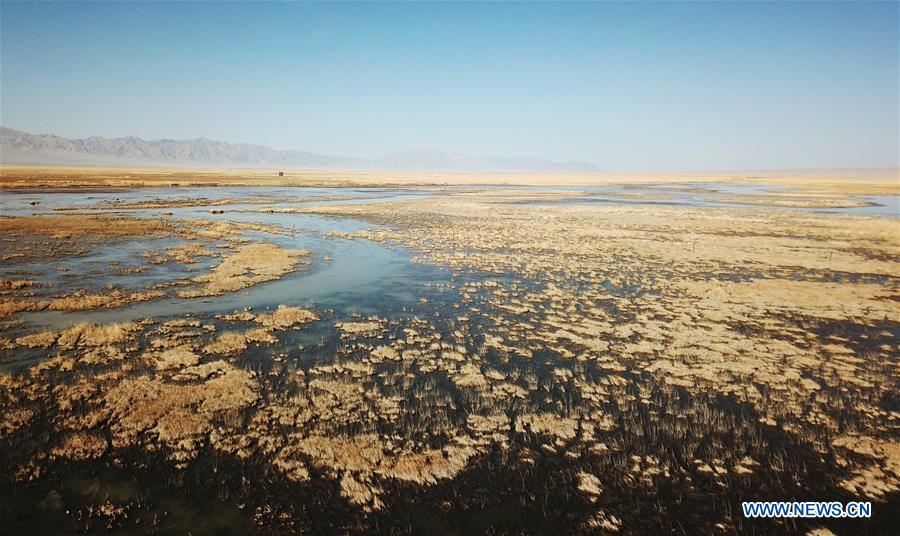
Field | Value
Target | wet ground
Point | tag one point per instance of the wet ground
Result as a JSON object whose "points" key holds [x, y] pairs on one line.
{"points": [[431, 395]]}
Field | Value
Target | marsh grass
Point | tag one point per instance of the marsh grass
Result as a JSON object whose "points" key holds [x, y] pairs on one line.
{"points": [[582, 370]]}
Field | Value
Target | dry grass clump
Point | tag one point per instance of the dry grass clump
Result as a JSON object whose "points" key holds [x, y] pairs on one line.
{"points": [[188, 253], [358, 459], [879, 475], [202, 371], [15, 284], [74, 226], [14, 412], [178, 415], [83, 335], [429, 466], [359, 329], [260, 335], [173, 358], [227, 343], [343, 454], [549, 424], [82, 301], [291, 465], [589, 485], [44, 339], [820, 531], [11, 306], [604, 523], [285, 317], [831, 301], [86, 335], [488, 429], [73, 396], [79, 446], [245, 315], [469, 376], [382, 353], [249, 265], [88, 344], [361, 493], [233, 231], [175, 332]]}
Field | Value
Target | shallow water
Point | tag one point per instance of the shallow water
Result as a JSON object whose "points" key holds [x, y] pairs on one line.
{"points": [[345, 275], [18, 201], [360, 277], [675, 194]]}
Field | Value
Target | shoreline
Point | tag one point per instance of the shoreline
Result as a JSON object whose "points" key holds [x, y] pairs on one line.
{"points": [[879, 181]]}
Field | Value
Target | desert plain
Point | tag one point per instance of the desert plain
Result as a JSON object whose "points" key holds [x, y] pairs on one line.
{"points": [[232, 351]]}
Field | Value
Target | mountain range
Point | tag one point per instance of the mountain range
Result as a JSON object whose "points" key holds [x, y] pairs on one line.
{"points": [[17, 147]]}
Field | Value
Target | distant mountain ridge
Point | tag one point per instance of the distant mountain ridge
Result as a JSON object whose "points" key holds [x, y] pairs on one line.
{"points": [[17, 147]]}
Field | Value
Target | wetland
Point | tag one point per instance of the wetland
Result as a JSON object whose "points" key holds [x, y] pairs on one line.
{"points": [[632, 358]]}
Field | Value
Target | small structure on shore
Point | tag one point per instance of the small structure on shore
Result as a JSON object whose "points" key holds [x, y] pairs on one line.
{"points": [[281, 173]]}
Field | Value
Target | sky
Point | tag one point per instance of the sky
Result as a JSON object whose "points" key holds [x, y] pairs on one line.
{"points": [[626, 86]]}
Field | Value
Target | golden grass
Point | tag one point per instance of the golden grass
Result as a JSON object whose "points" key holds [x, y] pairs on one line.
{"points": [[44, 339], [79, 446], [845, 181], [82, 301], [636, 304], [281, 318], [88, 335], [589, 485], [78, 301], [724, 302], [73, 226], [187, 253], [15, 284], [357, 459], [227, 343], [284, 317], [177, 414], [11, 306], [249, 265], [356, 329], [173, 358]]}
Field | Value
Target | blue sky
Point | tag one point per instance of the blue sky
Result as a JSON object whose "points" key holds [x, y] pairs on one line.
{"points": [[627, 86]]}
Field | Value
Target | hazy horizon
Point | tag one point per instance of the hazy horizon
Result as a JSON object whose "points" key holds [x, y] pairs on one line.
{"points": [[626, 87], [877, 172]]}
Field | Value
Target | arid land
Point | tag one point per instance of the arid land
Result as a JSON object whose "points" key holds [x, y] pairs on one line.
{"points": [[885, 181], [545, 364]]}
